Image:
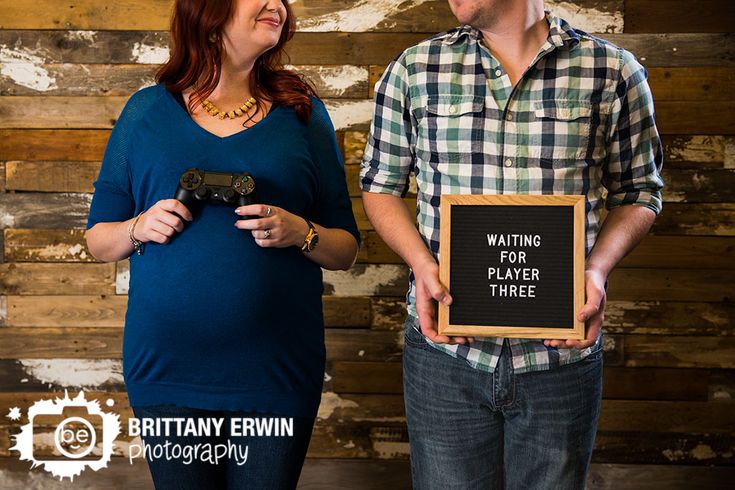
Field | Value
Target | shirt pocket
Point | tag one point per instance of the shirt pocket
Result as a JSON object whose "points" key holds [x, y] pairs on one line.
{"points": [[451, 128], [562, 132]]}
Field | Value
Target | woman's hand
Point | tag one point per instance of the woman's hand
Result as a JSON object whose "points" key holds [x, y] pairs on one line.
{"points": [[273, 226], [161, 221]]}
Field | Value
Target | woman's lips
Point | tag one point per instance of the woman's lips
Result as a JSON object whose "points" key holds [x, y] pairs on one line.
{"points": [[270, 21]]}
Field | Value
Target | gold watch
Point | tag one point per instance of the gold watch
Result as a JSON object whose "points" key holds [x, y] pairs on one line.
{"points": [[312, 238]]}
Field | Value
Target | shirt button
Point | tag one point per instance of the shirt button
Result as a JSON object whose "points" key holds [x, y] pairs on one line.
{"points": [[498, 73], [452, 109], [509, 117], [508, 162]]}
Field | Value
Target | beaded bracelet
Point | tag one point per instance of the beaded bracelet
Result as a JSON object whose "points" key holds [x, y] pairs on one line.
{"points": [[138, 245]]}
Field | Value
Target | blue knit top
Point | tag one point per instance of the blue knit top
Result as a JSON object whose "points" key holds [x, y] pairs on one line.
{"points": [[214, 321]]}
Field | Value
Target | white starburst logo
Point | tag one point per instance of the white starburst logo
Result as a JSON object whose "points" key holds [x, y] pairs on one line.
{"points": [[83, 435]]}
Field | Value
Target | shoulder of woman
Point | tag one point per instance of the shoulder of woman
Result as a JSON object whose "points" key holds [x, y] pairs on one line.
{"points": [[142, 101]]}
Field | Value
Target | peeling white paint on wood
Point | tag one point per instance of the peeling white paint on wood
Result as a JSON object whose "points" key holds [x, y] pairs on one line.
{"points": [[365, 281], [588, 19], [332, 401], [365, 15], [3, 310], [697, 149], [7, 220], [122, 277], [391, 450], [345, 114], [341, 78], [25, 68], [90, 37], [149, 55], [74, 373], [59, 251]]}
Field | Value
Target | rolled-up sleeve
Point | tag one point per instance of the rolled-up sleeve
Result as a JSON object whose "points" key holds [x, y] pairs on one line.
{"points": [[389, 153], [632, 172]]}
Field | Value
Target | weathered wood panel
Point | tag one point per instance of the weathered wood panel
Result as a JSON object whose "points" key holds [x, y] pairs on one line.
{"points": [[630, 317], [674, 16], [620, 383], [687, 352], [51, 176], [338, 48], [699, 151], [109, 311], [32, 210], [57, 279], [699, 219], [46, 245], [123, 79], [345, 344], [671, 284], [343, 16], [710, 83], [53, 144], [106, 343]]}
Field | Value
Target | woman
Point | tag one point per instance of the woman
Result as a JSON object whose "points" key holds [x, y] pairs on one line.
{"points": [[224, 314]]}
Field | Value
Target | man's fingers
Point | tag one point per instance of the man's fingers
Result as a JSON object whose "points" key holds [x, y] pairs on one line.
{"points": [[438, 292]]}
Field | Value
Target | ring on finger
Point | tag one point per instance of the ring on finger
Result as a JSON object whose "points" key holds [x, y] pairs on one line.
{"points": [[267, 234], [268, 211]]}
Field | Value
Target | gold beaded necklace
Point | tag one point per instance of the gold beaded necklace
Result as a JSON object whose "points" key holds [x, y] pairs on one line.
{"points": [[213, 110]]}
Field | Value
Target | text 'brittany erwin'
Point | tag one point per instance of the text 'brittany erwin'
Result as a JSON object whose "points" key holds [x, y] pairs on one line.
{"points": [[210, 427], [510, 273]]}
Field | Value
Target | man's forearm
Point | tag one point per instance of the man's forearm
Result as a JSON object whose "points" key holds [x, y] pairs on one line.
{"points": [[396, 226], [623, 229]]}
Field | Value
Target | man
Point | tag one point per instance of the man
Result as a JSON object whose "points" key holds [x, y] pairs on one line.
{"points": [[515, 101]]}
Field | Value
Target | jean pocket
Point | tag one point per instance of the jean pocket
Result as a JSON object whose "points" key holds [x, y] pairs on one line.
{"points": [[595, 356], [414, 337]]}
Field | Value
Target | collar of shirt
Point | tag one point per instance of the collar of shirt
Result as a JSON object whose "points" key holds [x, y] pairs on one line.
{"points": [[560, 33]]}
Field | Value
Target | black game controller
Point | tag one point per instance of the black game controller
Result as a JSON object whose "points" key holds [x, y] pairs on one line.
{"points": [[197, 186]]}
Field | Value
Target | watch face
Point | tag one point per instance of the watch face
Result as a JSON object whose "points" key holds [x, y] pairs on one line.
{"points": [[313, 242]]}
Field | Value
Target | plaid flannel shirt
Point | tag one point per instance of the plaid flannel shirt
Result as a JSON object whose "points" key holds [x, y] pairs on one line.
{"points": [[579, 121]]}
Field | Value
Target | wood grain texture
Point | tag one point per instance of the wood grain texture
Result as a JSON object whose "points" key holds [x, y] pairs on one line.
{"points": [[669, 384], [340, 15], [46, 245], [674, 16], [57, 279], [343, 48], [53, 144]]}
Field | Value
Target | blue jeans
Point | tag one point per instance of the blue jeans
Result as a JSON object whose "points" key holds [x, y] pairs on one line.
{"points": [[470, 429], [272, 463]]}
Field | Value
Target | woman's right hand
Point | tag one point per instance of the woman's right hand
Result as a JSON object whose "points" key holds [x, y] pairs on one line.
{"points": [[161, 221]]}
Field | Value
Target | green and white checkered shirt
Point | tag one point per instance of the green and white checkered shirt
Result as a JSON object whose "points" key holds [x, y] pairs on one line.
{"points": [[580, 121]]}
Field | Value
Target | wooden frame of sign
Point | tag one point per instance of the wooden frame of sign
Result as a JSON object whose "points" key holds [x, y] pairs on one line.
{"points": [[514, 265]]}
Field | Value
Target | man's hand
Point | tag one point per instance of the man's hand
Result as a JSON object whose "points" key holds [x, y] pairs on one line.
{"points": [[592, 313], [429, 291]]}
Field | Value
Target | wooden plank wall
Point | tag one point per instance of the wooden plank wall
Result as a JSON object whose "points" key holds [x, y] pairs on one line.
{"points": [[66, 68]]}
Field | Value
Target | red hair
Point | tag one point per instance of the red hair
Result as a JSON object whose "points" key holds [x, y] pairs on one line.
{"points": [[196, 61]]}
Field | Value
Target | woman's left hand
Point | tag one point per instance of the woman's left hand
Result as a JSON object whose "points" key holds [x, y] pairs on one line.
{"points": [[272, 226]]}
